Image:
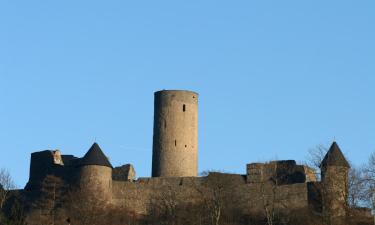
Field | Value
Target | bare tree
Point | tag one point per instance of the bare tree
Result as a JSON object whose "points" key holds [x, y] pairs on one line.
{"points": [[272, 198], [164, 206], [212, 193], [358, 178], [16, 214], [369, 179], [275, 194], [269, 201], [315, 157], [6, 185], [215, 203], [220, 200], [357, 187], [51, 197], [84, 209]]}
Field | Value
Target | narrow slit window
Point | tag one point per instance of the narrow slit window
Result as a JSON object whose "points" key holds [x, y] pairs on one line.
{"points": [[183, 107], [175, 142]]}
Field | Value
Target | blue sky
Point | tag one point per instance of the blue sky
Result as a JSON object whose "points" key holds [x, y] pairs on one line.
{"points": [[275, 78]]}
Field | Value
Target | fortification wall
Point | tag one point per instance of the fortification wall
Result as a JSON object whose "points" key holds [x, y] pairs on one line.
{"points": [[45, 163], [139, 196], [281, 171]]}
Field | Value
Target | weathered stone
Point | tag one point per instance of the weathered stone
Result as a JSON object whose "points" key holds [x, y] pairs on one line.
{"points": [[124, 173], [334, 169], [281, 172], [57, 157], [175, 140]]}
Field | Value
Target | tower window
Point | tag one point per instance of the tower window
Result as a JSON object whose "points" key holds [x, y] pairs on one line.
{"points": [[175, 142], [184, 107]]}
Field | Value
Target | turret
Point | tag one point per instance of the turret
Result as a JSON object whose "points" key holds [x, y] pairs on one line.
{"points": [[175, 140], [334, 171], [95, 175]]}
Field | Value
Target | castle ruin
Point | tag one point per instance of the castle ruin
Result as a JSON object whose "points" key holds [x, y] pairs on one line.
{"points": [[174, 171]]}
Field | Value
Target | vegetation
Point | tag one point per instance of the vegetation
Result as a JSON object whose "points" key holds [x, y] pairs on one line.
{"points": [[11, 206]]}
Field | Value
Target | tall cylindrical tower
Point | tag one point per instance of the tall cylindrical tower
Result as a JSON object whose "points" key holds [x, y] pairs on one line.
{"points": [[175, 141]]}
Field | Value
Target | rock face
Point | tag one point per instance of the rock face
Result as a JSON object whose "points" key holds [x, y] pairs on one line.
{"points": [[175, 140], [334, 169]]}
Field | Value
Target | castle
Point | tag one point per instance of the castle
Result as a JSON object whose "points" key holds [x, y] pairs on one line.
{"points": [[284, 183]]}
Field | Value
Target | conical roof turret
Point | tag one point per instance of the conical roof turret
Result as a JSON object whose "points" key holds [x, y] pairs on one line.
{"points": [[334, 157], [95, 156]]}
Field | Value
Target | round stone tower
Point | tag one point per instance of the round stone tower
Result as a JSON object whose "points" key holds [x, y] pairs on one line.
{"points": [[334, 171], [175, 140], [95, 175]]}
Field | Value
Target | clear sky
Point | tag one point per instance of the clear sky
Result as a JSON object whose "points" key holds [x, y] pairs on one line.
{"points": [[275, 78]]}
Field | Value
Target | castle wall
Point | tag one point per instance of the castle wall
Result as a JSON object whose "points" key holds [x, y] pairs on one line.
{"points": [[139, 196], [123, 173], [282, 172], [45, 163], [175, 140], [40, 165]]}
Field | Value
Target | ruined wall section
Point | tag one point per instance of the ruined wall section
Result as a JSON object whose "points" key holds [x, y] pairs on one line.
{"points": [[281, 171], [123, 173], [175, 140], [49, 162]]}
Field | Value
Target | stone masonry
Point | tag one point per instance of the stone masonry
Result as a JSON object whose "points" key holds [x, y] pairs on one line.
{"points": [[174, 171]]}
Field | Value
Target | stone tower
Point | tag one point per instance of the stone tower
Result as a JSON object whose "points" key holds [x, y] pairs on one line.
{"points": [[334, 171], [175, 140], [95, 175]]}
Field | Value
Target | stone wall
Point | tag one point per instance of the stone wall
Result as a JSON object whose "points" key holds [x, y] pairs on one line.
{"points": [[45, 163], [281, 172], [123, 173], [139, 196]]}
